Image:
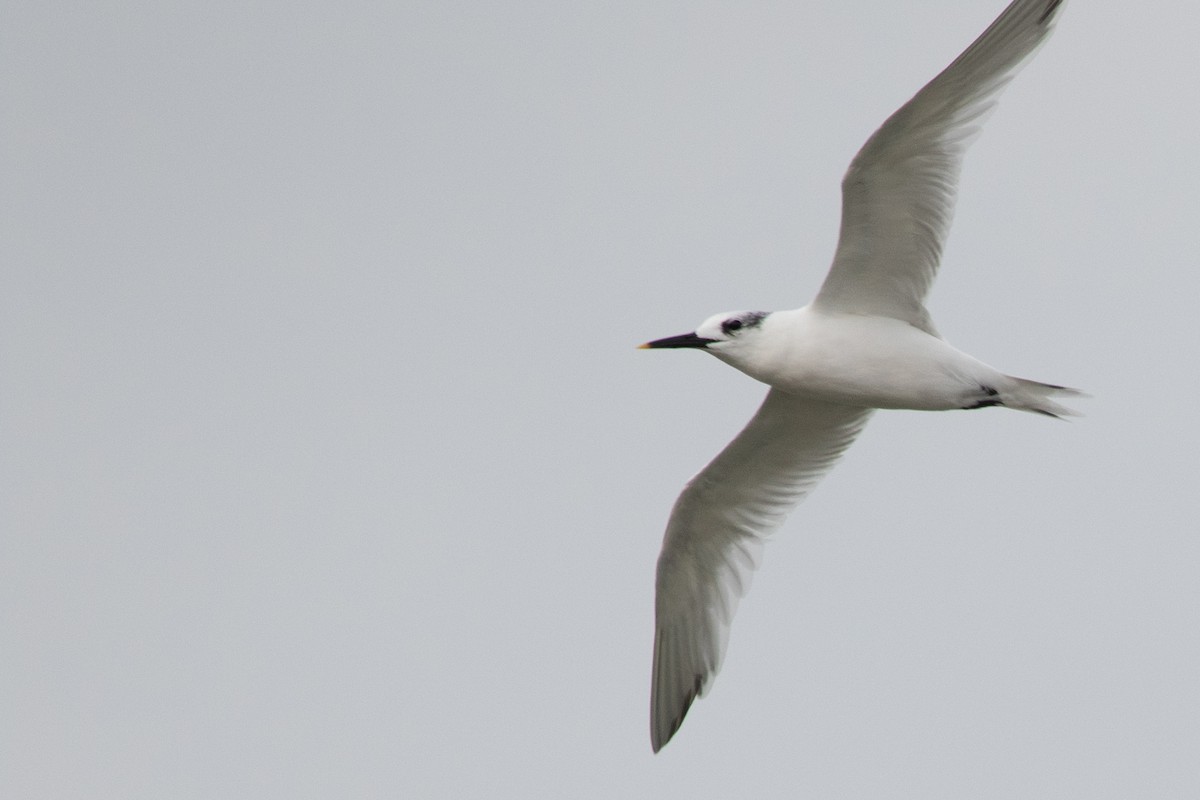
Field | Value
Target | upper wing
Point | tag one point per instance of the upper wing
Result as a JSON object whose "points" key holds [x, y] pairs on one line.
{"points": [[898, 195], [716, 530]]}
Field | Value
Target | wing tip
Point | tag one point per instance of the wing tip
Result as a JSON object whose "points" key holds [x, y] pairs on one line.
{"points": [[664, 726], [671, 694], [1051, 9]]}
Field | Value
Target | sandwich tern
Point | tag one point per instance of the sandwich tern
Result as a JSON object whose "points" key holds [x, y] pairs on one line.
{"points": [[865, 342]]}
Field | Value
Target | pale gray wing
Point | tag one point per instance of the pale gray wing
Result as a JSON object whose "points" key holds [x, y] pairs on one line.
{"points": [[898, 195], [716, 528]]}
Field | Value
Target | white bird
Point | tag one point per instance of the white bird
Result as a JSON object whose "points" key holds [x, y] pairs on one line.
{"points": [[865, 342]]}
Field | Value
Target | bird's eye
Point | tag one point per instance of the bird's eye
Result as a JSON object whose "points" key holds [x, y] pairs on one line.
{"points": [[732, 325]]}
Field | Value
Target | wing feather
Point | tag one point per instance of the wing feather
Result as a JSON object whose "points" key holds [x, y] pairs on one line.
{"points": [[899, 192], [716, 531]]}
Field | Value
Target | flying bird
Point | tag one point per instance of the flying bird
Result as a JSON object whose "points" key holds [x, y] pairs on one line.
{"points": [[865, 342]]}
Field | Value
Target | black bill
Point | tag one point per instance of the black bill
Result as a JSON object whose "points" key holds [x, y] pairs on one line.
{"points": [[686, 340]]}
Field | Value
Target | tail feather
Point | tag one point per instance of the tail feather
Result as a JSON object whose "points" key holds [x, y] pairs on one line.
{"points": [[1034, 396]]}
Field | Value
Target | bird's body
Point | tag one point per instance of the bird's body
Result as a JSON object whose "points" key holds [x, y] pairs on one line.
{"points": [[864, 360], [865, 342]]}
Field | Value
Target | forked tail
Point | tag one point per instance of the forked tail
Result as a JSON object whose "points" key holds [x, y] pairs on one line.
{"points": [[1026, 395]]}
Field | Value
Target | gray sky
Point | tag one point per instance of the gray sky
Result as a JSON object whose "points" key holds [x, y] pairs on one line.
{"points": [[330, 469]]}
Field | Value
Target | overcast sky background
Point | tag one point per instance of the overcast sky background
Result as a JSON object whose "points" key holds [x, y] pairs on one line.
{"points": [[329, 469]]}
